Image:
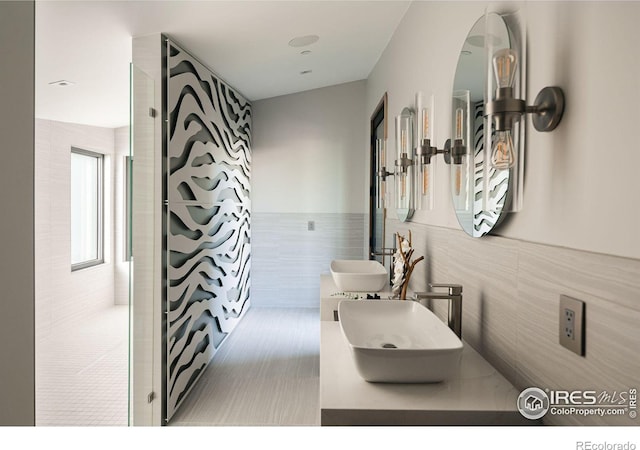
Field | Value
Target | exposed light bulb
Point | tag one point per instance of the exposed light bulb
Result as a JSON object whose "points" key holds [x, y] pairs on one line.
{"points": [[504, 67], [425, 179], [403, 186], [459, 122], [502, 154], [425, 124]]}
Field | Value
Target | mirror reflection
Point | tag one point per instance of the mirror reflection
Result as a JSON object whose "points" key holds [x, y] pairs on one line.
{"points": [[478, 212], [377, 206]]}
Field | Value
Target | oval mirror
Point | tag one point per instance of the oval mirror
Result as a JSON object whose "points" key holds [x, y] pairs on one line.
{"points": [[478, 212]]}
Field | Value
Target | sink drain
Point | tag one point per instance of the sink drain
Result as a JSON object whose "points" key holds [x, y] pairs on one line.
{"points": [[388, 345]]}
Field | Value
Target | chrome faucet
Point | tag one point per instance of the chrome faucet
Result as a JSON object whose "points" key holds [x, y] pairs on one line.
{"points": [[454, 296]]}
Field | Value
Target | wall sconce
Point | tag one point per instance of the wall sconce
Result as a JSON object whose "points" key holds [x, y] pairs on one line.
{"points": [[505, 109], [404, 164], [424, 152], [454, 154]]}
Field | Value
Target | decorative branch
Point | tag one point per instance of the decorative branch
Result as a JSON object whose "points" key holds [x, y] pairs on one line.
{"points": [[402, 273], [403, 295]]}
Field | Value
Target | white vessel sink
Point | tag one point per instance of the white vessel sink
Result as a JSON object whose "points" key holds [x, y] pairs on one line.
{"points": [[353, 275], [396, 341]]}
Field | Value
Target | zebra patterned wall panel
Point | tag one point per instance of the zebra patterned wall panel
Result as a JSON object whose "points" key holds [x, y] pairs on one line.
{"points": [[489, 198], [208, 219]]}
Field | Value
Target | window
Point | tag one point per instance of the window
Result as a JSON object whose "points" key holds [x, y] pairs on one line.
{"points": [[86, 208]]}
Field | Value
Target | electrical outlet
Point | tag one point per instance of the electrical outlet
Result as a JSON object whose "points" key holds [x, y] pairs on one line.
{"points": [[569, 324], [572, 324], [311, 225]]}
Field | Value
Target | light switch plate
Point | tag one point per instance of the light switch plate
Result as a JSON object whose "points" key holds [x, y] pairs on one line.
{"points": [[572, 324]]}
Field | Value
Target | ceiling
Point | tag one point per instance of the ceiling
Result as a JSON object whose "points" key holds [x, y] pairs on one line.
{"points": [[244, 42]]}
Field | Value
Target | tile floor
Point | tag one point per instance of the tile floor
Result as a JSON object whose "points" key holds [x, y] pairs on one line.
{"points": [[265, 373], [82, 372]]}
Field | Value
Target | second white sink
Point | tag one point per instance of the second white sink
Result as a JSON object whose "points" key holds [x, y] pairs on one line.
{"points": [[354, 275], [396, 341]]}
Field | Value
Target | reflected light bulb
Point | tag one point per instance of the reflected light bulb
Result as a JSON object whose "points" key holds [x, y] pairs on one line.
{"points": [[502, 153], [458, 179], [504, 67]]}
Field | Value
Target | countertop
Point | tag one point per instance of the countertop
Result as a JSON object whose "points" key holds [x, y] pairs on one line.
{"points": [[478, 395], [330, 296], [329, 289]]}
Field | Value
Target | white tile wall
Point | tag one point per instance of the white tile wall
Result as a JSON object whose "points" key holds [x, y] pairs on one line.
{"points": [[287, 258], [62, 295], [68, 305], [511, 309]]}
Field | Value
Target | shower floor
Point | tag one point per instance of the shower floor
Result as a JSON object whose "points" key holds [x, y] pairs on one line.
{"points": [[82, 372]]}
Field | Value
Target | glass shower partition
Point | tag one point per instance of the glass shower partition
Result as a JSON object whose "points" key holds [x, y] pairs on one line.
{"points": [[142, 221]]}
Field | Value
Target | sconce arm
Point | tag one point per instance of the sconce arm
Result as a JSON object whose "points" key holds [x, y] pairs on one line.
{"points": [[383, 174], [404, 162], [546, 111], [449, 152]]}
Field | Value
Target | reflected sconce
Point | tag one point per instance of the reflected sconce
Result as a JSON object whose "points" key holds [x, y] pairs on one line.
{"points": [[505, 110], [462, 161], [404, 163], [403, 171], [381, 171]]}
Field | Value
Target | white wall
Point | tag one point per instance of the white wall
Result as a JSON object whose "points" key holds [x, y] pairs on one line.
{"points": [[17, 371], [577, 234], [63, 295], [148, 313], [308, 151], [580, 180], [309, 158]]}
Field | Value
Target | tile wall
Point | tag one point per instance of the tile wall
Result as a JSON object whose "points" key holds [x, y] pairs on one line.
{"points": [[62, 295], [287, 257], [511, 309]]}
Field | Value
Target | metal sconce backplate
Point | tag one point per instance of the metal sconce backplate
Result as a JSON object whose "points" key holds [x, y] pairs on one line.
{"points": [[548, 108]]}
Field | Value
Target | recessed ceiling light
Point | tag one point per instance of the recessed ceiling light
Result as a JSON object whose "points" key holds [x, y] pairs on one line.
{"points": [[465, 52], [62, 83], [305, 52], [305, 72], [303, 41]]}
